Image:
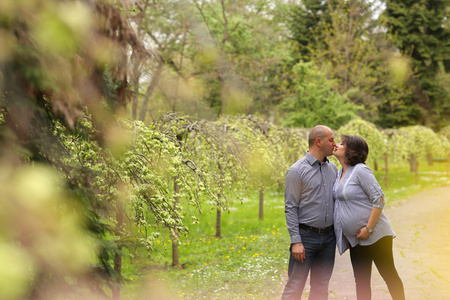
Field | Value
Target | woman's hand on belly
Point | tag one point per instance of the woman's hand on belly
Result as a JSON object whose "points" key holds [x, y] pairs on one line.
{"points": [[363, 233], [352, 226]]}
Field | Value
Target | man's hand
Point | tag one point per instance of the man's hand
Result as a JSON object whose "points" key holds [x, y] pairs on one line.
{"points": [[298, 251]]}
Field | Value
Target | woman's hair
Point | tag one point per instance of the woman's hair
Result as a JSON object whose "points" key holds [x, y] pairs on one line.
{"points": [[356, 149]]}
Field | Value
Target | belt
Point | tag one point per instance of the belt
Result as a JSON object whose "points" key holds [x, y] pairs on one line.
{"points": [[317, 230]]}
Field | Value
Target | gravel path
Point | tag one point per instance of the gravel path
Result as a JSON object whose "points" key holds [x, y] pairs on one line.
{"points": [[421, 251]]}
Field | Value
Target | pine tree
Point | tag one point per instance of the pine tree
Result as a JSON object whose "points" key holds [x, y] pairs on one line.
{"points": [[306, 22], [419, 30]]}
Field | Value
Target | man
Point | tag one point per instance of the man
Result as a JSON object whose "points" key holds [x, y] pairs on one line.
{"points": [[309, 217]]}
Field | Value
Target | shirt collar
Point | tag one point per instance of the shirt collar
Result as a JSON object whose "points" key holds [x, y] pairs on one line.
{"points": [[311, 159]]}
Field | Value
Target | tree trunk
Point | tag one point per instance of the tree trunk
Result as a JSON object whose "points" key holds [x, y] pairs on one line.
{"points": [[417, 172], [118, 255], [118, 269], [375, 165], [149, 92], [261, 202], [430, 159], [134, 107], [448, 163], [176, 190], [175, 256], [412, 163], [219, 220], [386, 169], [219, 206], [135, 81]]}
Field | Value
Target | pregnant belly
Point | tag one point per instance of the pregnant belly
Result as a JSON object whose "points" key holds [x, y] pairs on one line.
{"points": [[351, 224]]}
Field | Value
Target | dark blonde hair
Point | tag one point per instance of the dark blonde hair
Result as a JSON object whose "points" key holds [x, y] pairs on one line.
{"points": [[356, 150]]}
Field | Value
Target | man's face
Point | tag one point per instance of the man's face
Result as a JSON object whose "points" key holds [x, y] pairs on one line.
{"points": [[328, 145]]}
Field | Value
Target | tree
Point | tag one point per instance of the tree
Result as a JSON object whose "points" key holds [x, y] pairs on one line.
{"points": [[224, 57], [354, 54], [418, 140], [57, 72], [419, 30], [371, 135], [262, 153], [307, 21], [213, 150], [167, 82], [316, 102], [445, 133]]}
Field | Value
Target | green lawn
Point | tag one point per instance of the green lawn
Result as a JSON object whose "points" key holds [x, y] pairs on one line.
{"points": [[401, 182], [250, 259]]}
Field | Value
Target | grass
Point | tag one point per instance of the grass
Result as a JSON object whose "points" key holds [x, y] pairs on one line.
{"points": [[401, 182], [247, 262], [250, 260]]}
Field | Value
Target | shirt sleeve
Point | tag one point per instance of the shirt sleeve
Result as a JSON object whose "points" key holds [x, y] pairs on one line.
{"points": [[291, 203], [370, 185]]}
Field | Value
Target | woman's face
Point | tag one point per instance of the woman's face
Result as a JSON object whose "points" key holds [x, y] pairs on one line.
{"points": [[340, 150]]}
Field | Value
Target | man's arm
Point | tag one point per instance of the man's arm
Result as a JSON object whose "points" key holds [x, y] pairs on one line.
{"points": [[291, 202]]}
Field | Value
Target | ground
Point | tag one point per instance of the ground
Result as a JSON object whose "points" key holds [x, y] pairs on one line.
{"points": [[421, 251]]}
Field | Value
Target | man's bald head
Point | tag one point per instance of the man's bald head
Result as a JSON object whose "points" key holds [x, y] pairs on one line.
{"points": [[319, 131]]}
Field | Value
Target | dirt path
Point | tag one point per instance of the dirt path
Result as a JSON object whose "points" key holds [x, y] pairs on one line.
{"points": [[421, 251]]}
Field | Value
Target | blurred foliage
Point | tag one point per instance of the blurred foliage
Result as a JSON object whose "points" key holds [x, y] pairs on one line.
{"points": [[316, 102], [306, 21], [41, 231], [371, 134], [420, 31], [234, 57], [81, 181], [62, 58], [218, 57]]}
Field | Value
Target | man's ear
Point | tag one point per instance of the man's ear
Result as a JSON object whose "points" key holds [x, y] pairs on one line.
{"points": [[318, 142]]}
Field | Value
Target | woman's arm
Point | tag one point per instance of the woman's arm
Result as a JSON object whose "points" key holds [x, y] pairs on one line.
{"points": [[364, 233]]}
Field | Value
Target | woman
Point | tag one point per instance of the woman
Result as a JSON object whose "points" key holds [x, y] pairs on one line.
{"points": [[359, 222]]}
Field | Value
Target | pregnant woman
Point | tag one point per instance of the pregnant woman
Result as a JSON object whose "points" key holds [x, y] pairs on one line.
{"points": [[359, 221]]}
